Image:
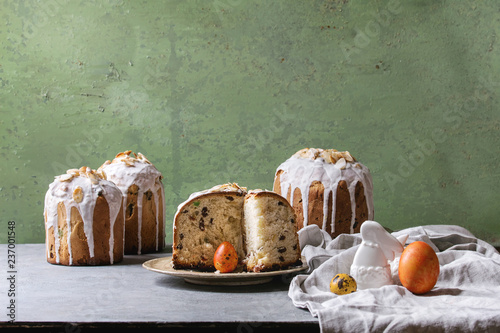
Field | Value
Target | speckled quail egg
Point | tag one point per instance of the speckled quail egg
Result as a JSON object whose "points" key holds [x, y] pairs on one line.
{"points": [[343, 284]]}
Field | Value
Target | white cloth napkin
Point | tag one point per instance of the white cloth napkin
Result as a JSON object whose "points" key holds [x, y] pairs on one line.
{"points": [[466, 297]]}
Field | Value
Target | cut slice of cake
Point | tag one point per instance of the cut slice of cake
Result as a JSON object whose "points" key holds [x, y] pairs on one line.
{"points": [[269, 232], [203, 222], [261, 225]]}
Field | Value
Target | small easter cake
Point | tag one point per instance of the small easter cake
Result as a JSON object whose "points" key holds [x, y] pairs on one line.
{"points": [[141, 186], [83, 219]]}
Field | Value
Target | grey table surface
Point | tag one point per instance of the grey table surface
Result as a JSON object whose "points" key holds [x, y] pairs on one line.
{"points": [[128, 295]]}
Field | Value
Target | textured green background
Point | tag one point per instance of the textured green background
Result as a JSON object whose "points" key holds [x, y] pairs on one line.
{"points": [[225, 90]]}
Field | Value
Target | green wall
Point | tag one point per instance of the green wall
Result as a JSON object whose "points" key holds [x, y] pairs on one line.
{"points": [[225, 90]]}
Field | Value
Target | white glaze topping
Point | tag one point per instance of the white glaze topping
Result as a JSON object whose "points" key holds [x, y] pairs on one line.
{"points": [[126, 170], [80, 188], [328, 167]]}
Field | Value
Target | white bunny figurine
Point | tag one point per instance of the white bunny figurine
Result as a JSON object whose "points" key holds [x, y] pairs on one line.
{"points": [[371, 267]]}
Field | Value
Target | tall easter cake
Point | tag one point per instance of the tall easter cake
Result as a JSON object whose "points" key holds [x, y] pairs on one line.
{"points": [[142, 189], [328, 188], [83, 219], [259, 224]]}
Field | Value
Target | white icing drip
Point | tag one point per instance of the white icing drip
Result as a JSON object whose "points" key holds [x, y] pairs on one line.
{"points": [[62, 191], [125, 171], [302, 172]]}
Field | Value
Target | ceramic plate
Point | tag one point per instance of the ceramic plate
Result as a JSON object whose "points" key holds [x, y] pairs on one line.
{"points": [[164, 266]]}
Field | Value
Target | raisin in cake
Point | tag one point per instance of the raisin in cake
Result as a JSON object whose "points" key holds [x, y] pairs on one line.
{"points": [[143, 192], [83, 219], [203, 222], [261, 225], [328, 188], [269, 232]]}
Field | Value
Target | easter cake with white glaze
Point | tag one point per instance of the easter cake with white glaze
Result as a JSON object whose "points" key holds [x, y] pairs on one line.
{"points": [[83, 216], [143, 193], [327, 187]]}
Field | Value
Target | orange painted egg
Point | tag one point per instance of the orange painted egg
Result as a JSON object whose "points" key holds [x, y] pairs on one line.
{"points": [[225, 258], [418, 267]]}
